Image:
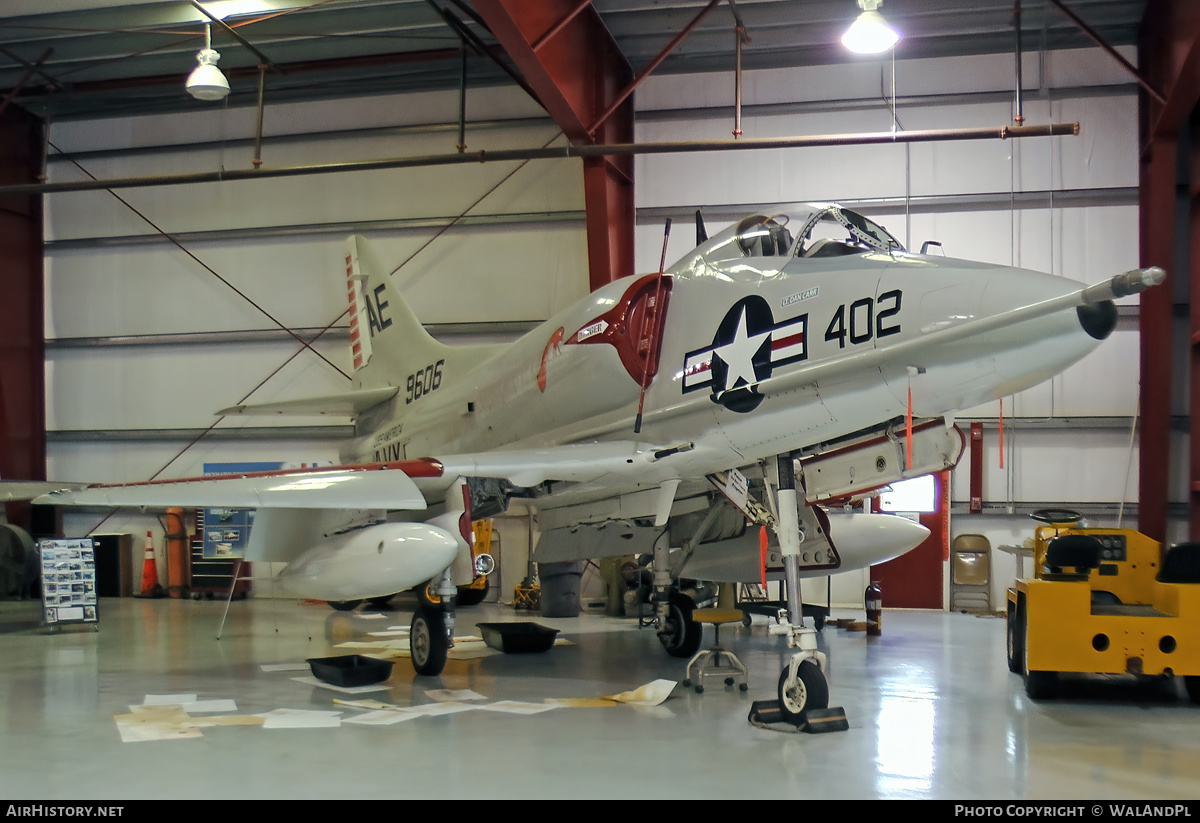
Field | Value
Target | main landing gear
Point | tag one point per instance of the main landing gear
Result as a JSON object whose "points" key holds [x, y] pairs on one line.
{"points": [[432, 628]]}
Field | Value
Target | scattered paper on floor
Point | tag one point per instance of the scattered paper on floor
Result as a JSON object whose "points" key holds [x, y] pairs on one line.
{"points": [[168, 699], [651, 694], [438, 709], [453, 695], [226, 720], [370, 687], [382, 717], [202, 706], [517, 707], [369, 705], [155, 723], [301, 719]]}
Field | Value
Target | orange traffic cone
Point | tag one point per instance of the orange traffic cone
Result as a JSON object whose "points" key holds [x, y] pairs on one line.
{"points": [[150, 584]]}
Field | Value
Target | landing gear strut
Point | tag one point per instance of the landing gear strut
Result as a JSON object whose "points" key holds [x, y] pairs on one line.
{"points": [[802, 683]]}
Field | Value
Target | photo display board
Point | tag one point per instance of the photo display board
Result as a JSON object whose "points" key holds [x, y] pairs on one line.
{"points": [[227, 531], [68, 581]]}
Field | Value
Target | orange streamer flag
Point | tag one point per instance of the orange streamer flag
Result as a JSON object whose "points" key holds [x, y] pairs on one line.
{"points": [[762, 556]]}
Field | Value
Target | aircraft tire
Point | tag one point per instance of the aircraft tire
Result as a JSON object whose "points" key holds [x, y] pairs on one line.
{"points": [[811, 691], [682, 635], [428, 643], [380, 601], [345, 605]]}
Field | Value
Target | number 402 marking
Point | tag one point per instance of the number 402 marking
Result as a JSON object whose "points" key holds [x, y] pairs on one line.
{"points": [[865, 321]]}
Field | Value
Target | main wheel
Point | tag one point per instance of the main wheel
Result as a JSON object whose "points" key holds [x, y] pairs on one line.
{"points": [[428, 642], [810, 691], [681, 636], [380, 601], [345, 605], [1192, 684]]}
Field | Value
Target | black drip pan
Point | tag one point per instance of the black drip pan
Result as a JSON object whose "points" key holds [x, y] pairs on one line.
{"points": [[516, 638], [350, 670]]}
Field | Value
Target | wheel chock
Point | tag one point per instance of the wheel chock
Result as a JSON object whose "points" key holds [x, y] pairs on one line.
{"points": [[768, 714], [832, 719]]}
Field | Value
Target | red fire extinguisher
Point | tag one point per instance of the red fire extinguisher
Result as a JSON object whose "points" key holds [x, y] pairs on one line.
{"points": [[873, 598]]}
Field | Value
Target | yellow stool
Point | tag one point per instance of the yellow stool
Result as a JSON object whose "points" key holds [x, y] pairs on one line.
{"points": [[716, 661]]}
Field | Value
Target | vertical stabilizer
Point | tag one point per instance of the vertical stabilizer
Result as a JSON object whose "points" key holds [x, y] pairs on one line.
{"points": [[387, 341]]}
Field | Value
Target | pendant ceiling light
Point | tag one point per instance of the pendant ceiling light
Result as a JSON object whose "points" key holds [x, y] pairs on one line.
{"points": [[206, 82], [870, 33]]}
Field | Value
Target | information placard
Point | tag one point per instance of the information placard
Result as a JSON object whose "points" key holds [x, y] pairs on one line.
{"points": [[68, 581]]}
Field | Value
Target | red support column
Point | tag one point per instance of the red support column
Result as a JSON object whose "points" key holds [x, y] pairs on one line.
{"points": [[573, 64], [22, 356], [1157, 238], [1169, 59]]}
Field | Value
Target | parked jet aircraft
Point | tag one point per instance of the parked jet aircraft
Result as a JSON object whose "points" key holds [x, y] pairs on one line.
{"points": [[701, 414]]}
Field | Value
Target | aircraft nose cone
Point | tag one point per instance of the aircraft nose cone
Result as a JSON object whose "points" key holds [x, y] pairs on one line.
{"points": [[1098, 319]]}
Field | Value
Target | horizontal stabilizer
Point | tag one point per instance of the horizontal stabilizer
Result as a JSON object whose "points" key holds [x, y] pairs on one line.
{"points": [[348, 404]]}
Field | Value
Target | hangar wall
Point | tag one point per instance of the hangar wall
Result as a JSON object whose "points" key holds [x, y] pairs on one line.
{"points": [[134, 373]]}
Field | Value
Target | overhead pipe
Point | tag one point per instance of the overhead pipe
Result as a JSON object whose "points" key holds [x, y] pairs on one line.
{"points": [[559, 153]]}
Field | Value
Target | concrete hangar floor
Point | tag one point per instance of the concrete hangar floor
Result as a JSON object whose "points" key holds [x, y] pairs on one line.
{"points": [[933, 713]]}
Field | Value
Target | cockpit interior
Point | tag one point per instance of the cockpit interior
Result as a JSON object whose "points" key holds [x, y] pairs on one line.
{"points": [[823, 231]]}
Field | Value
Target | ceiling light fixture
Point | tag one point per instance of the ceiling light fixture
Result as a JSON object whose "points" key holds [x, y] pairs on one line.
{"points": [[870, 33], [206, 82]]}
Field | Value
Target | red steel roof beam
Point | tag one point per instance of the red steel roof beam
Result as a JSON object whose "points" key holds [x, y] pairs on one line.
{"points": [[574, 65]]}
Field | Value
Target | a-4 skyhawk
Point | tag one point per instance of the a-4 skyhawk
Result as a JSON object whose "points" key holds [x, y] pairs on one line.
{"points": [[679, 414]]}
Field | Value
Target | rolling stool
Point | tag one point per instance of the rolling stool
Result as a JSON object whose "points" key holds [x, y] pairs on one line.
{"points": [[716, 661]]}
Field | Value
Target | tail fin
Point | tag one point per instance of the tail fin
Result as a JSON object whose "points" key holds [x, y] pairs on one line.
{"points": [[387, 341]]}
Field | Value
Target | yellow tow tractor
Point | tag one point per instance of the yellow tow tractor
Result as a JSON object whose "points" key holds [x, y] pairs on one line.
{"points": [[1104, 601]]}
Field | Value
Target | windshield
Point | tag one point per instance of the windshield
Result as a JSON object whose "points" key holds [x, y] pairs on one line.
{"points": [[835, 231]]}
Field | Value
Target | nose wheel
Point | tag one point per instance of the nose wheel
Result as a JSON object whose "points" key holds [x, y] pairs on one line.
{"points": [[802, 687]]}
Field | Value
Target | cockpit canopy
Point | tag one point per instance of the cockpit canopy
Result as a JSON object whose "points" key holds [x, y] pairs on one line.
{"points": [[821, 230]]}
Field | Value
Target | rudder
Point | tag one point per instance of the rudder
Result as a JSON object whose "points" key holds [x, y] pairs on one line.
{"points": [[386, 339]]}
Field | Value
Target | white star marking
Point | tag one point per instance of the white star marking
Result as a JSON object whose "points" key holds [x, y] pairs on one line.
{"points": [[738, 355]]}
